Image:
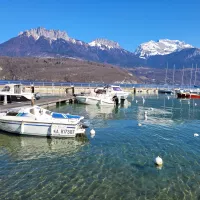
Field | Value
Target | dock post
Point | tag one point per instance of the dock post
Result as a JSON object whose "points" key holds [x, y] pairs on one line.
{"points": [[32, 89], [32, 101], [72, 86], [5, 100]]}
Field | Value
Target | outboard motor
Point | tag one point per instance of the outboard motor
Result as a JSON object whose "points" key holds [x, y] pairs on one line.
{"points": [[37, 96], [116, 100]]}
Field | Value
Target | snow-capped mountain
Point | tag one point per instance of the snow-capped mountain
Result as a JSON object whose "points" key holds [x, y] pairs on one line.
{"points": [[161, 47], [104, 43], [50, 34], [185, 57], [41, 42]]}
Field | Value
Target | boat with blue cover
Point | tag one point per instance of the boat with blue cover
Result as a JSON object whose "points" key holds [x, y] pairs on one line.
{"points": [[37, 121]]}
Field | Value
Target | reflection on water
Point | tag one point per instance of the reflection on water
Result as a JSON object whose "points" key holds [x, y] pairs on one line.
{"points": [[118, 163], [28, 147]]}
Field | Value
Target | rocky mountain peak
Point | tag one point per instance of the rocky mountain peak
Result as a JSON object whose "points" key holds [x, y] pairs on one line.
{"points": [[160, 47], [40, 31], [105, 43]]}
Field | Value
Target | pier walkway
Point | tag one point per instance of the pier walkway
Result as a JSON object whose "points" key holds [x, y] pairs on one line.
{"points": [[43, 102]]}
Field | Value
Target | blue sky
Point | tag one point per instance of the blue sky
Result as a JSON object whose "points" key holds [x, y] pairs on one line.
{"points": [[129, 22]]}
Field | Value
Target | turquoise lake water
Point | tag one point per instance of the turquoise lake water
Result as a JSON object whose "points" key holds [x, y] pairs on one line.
{"points": [[118, 162]]}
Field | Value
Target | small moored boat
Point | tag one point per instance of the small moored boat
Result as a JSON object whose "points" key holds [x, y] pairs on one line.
{"points": [[37, 121], [17, 92], [103, 95], [189, 94], [165, 91]]}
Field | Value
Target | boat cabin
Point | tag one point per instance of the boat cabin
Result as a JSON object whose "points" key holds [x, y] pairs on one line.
{"points": [[36, 111], [14, 88], [108, 88]]}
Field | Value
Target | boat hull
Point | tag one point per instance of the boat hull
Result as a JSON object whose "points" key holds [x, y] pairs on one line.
{"points": [[106, 102], [40, 129], [188, 95], [87, 100], [165, 91], [17, 98]]}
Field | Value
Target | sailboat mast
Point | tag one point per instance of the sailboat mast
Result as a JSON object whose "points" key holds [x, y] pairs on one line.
{"points": [[195, 75], [166, 74], [182, 76], [173, 74], [191, 76]]}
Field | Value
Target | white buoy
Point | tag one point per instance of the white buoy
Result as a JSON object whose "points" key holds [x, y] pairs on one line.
{"points": [[195, 104], [139, 124], [145, 115], [92, 132], [158, 161], [196, 134], [136, 101]]}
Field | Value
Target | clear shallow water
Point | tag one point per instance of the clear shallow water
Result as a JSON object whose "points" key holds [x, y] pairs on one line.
{"points": [[117, 163]]}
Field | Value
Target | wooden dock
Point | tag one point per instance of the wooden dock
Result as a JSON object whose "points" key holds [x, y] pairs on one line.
{"points": [[43, 102]]}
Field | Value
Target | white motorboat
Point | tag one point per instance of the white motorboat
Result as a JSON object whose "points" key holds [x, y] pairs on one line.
{"points": [[17, 92], [37, 121], [88, 99], [115, 90], [107, 95], [107, 101]]}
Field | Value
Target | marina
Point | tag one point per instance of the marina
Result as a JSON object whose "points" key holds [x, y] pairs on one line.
{"points": [[105, 108], [115, 162]]}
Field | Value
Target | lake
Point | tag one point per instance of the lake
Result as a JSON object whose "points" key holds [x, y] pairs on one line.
{"points": [[118, 162]]}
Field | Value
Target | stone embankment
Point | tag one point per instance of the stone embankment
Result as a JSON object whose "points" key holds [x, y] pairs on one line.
{"points": [[63, 90]]}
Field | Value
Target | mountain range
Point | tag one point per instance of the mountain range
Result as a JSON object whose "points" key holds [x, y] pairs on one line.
{"points": [[41, 42]]}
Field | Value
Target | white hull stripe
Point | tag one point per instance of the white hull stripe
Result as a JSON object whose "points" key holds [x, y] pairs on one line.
{"points": [[35, 124]]}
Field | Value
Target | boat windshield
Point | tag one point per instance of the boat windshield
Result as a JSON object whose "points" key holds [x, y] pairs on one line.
{"points": [[12, 113], [6, 89], [100, 91], [117, 89]]}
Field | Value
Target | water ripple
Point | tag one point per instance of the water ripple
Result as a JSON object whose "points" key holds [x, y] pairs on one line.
{"points": [[118, 163]]}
